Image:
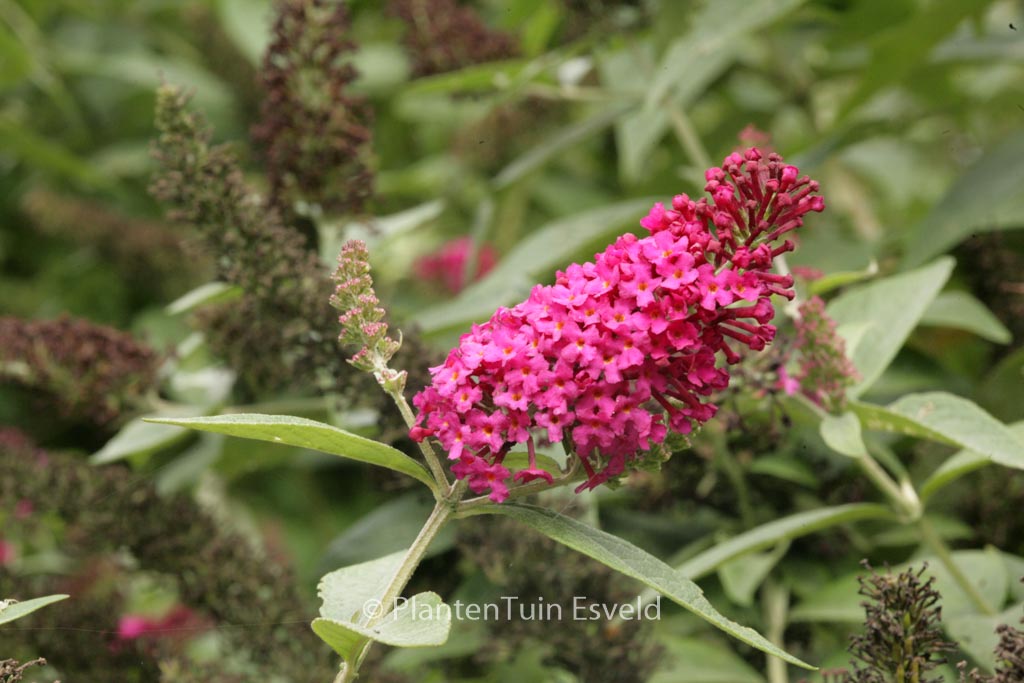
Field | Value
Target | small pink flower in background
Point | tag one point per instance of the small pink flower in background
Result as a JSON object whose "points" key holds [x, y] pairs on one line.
{"points": [[621, 349], [447, 265], [787, 383], [133, 626], [807, 273], [178, 623], [752, 136], [7, 552], [23, 509]]}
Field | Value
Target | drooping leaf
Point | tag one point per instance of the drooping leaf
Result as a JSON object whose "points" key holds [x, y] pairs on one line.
{"points": [[247, 24], [545, 151], [900, 49], [976, 633], [948, 419], [731, 19], [839, 601], [962, 463], [297, 431], [626, 558], [203, 295], [743, 576], [962, 311], [891, 307], [139, 437], [390, 527], [842, 434], [15, 609], [985, 198], [688, 660], [844, 278], [784, 529]]}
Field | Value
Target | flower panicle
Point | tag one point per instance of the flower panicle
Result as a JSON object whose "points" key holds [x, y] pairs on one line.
{"points": [[316, 134], [621, 349], [903, 635], [825, 371], [83, 371], [362, 317], [442, 36]]}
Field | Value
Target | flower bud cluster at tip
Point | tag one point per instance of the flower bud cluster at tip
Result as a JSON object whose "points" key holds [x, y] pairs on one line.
{"points": [[621, 349], [824, 371], [361, 316]]}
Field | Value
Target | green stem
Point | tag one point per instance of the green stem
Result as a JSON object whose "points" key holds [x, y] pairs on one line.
{"points": [[734, 472], [904, 498], [776, 606], [688, 137], [433, 462], [438, 518], [941, 550]]}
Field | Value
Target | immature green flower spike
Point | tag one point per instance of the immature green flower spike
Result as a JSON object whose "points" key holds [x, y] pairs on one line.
{"points": [[361, 316]]}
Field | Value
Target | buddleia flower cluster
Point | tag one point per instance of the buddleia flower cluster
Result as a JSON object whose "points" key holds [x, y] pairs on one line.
{"points": [[315, 132], [81, 370], [621, 349], [903, 637], [283, 312], [103, 511], [448, 264], [442, 36]]}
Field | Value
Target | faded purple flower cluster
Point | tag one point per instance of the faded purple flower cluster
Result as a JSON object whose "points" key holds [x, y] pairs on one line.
{"points": [[824, 371], [315, 131], [621, 349], [442, 36]]}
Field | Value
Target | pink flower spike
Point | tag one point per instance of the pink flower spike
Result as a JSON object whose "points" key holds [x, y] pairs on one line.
{"points": [[131, 626], [7, 552], [622, 348]]}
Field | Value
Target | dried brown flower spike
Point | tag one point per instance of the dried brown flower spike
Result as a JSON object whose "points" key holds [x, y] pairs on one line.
{"points": [[315, 133], [903, 639]]}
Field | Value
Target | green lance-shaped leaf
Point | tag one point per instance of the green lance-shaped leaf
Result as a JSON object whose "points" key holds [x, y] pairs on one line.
{"points": [[948, 419], [732, 19], [891, 308], [14, 609], [203, 295], [692, 660], [961, 311], [985, 198], [350, 602], [138, 438], [555, 145], [626, 558], [785, 529], [297, 431], [962, 463]]}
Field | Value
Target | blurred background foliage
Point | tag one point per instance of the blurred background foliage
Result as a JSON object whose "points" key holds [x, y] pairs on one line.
{"points": [[539, 130]]}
